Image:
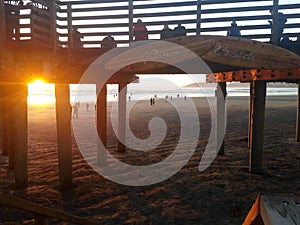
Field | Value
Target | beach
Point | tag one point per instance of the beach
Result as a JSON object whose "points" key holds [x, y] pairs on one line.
{"points": [[221, 194]]}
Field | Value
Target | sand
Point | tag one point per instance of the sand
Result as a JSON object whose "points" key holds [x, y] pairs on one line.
{"points": [[222, 194]]}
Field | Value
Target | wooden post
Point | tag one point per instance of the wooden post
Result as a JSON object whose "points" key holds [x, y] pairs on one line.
{"points": [[10, 102], [250, 111], [257, 126], [221, 100], [3, 117], [122, 116], [130, 13], [63, 120], [298, 116], [20, 135], [275, 36], [102, 121], [198, 26]]}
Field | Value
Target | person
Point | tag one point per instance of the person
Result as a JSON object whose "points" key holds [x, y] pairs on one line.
{"points": [[108, 42], [75, 111], [281, 22], [77, 38], [140, 31], [234, 30], [179, 31], [87, 106], [166, 32]]}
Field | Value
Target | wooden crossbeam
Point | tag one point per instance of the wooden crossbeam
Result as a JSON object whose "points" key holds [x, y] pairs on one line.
{"points": [[255, 75], [40, 211]]}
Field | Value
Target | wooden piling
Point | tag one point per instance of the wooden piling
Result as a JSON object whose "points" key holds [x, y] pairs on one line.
{"points": [[221, 104], [122, 116], [20, 109], [63, 121], [130, 13], [250, 111], [198, 25], [298, 116], [102, 121], [3, 122], [257, 127]]}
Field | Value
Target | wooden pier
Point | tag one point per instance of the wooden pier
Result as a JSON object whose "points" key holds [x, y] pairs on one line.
{"points": [[52, 52]]}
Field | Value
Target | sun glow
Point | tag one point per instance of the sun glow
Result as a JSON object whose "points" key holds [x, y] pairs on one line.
{"points": [[40, 93]]}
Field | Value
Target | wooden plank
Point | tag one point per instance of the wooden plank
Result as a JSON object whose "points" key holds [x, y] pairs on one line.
{"points": [[221, 105], [122, 93], [298, 115], [63, 121], [257, 127], [250, 112], [35, 208], [278, 210]]}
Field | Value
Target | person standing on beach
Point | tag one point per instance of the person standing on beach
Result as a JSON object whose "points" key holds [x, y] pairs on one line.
{"points": [[75, 111], [87, 106], [140, 31]]}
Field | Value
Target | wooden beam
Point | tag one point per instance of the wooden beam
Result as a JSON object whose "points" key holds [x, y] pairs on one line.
{"points": [[257, 127], [63, 121], [37, 209], [298, 115], [264, 75], [122, 116], [275, 35], [221, 100]]}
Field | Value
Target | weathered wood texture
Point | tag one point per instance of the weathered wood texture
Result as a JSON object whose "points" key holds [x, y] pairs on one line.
{"points": [[63, 121], [42, 212]]}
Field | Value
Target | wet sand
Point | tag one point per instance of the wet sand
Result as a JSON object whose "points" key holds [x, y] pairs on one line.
{"points": [[222, 194]]}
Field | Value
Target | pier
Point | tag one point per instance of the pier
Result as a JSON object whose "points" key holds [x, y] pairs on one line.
{"points": [[38, 40]]}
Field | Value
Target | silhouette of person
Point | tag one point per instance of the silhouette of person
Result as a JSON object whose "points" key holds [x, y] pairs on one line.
{"points": [[140, 31], [234, 30], [166, 32], [108, 42], [87, 106], [179, 31]]}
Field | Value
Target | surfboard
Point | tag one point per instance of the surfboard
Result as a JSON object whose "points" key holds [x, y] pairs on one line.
{"points": [[233, 52]]}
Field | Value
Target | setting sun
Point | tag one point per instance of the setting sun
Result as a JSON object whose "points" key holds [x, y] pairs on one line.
{"points": [[40, 93]]}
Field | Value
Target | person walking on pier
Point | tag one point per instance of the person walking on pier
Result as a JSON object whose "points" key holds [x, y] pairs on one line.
{"points": [[140, 31], [108, 42], [234, 30], [166, 32], [179, 31]]}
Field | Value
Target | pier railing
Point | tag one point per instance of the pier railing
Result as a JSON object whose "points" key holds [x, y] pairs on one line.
{"points": [[52, 22]]}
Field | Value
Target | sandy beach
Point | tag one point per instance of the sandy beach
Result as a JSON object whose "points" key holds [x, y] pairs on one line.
{"points": [[222, 194]]}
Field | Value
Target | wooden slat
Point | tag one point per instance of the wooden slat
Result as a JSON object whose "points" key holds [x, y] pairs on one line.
{"points": [[27, 206], [209, 2]]}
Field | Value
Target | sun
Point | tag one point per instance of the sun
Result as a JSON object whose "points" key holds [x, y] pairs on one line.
{"points": [[40, 93]]}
